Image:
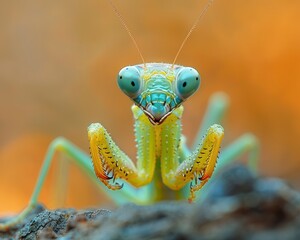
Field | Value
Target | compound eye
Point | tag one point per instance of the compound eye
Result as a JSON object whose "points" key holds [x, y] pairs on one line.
{"points": [[129, 81], [188, 81]]}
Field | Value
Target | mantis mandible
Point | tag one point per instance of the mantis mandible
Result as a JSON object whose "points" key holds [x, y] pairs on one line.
{"points": [[166, 167]]}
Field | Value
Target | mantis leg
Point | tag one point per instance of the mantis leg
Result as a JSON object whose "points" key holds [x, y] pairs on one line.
{"points": [[217, 106], [83, 160], [59, 144], [110, 163], [215, 112], [247, 143], [198, 167]]}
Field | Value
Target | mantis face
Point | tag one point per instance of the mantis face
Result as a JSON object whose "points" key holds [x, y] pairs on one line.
{"points": [[158, 88]]}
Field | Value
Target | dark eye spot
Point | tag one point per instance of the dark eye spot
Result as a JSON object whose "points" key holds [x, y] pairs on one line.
{"points": [[132, 83], [184, 84], [197, 78], [120, 77]]}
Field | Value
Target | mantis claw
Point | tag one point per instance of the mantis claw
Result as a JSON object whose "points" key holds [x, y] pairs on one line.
{"points": [[114, 186]]}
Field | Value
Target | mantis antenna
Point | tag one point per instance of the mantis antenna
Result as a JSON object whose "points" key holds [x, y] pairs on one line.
{"points": [[119, 15], [208, 4]]}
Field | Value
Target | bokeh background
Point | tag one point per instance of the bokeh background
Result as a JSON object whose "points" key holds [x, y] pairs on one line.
{"points": [[59, 60]]}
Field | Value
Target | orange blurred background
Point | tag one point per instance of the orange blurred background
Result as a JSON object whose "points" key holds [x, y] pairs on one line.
{"points": [[58, 65]]}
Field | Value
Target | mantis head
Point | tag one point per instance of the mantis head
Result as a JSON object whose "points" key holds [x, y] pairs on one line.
{"points": [[158, 88]]}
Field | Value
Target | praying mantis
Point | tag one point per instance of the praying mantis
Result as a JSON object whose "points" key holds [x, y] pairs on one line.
{"points": [[166, 168]]}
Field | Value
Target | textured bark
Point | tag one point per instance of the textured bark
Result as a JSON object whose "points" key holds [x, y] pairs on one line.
{"points": [[238, 206]]}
